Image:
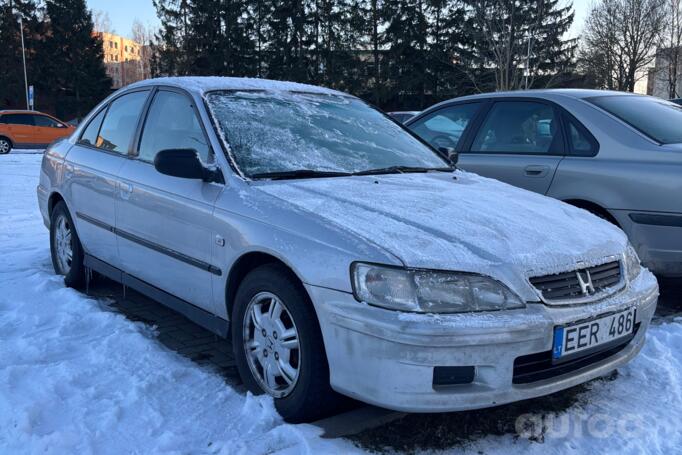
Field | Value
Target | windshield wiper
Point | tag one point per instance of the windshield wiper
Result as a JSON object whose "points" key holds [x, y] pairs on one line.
{"points": [[402, 170], [298, 174]]}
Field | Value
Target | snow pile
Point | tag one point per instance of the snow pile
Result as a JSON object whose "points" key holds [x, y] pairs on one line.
{"points": [[78, 378]]}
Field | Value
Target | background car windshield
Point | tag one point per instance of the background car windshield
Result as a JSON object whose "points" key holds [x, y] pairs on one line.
{"points": [[282, 132], [656, 118]]}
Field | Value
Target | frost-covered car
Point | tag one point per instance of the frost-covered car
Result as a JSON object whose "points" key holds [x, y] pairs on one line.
{"points": [[340, 254]]}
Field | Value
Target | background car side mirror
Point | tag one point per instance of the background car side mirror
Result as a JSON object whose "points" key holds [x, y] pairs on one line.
{"points": [[450, 153], [185, 164]]}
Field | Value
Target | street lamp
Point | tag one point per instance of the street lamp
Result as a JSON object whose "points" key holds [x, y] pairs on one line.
{"points": [[23, 56]]}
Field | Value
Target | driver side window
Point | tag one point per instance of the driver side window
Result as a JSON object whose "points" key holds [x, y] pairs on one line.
{"points": [[172, 124], [445, 127]]}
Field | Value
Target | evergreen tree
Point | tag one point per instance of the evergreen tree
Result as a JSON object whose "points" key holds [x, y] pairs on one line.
{"points": [[74, 72], [12, 86], [405, 38], [169, 51], [521, 40]]}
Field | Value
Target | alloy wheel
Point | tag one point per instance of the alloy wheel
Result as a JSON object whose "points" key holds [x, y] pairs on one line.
{"points": [[4, 146], [63, 245], [271, 344]]}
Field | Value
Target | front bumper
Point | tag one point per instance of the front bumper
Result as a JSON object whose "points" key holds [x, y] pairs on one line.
{"points": [[387, 358], [657, 237]]}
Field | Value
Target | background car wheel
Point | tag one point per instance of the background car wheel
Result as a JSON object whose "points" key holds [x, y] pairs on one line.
{"points": [[65, 247], [278, 345], [5, 146]]}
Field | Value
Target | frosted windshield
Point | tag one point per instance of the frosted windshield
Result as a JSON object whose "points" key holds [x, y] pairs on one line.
{"points": [[288, 131]]}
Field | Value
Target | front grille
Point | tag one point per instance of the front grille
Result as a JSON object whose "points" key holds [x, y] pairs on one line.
{"points": [[566, 285], [537, 367]]}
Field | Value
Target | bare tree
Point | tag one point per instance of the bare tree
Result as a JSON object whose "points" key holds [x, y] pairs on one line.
{"points": [[102, 21], [672, 46], [519, 40], [620, 40], [142, 35]]}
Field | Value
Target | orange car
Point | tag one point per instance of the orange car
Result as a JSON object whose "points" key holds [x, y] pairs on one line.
{"points": [[29, 129]]}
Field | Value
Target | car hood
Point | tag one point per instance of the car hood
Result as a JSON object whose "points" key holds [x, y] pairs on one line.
{"points": [[456, 221]]}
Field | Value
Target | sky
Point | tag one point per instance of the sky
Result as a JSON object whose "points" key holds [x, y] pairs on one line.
{"points": [[123, 12]]}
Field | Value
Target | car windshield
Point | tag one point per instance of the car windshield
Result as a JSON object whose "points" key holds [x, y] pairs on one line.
{"points": [[658, 119], [280, 132]]}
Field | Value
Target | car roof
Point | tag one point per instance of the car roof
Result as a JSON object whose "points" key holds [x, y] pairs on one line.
{"points": [[543, 93], [201, 85], [20, 111], [548, 94]]}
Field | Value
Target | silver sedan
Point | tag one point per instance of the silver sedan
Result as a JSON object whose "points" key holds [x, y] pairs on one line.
{"points": [[340, 254], [614, 154]]}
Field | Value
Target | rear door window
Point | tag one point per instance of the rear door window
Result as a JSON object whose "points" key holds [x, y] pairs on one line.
{"points": [[120, 122], [41, 120], [656, 118], [520, 127], [18, 119], [445, 127], [581, 142]]}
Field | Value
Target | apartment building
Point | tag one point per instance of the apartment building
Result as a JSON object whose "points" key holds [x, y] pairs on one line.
{"points": [[126, 61]]}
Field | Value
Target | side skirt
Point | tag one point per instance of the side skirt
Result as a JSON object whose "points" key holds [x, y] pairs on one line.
{"points": [[199, 316]]}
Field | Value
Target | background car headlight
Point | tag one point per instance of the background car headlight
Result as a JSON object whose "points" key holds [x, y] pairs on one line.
{"points": [[430, 291], [632, 264]]}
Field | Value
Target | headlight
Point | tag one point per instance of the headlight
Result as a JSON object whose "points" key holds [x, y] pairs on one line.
{"points": [[631, 265], [430, 291]]}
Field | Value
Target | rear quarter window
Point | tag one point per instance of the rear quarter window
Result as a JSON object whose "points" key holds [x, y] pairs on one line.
{"points": [[658, 119]]}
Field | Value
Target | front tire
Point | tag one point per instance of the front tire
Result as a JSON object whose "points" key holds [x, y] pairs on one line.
{"points": [[278, 345], [65, 247], [5, 146]]}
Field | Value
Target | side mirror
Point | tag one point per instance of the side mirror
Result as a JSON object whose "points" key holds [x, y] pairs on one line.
{"points": [[185, 164], [450, 153]]}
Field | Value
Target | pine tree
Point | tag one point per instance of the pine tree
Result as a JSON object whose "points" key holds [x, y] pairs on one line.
{"points": [[169, 50], [406, 40], [74, 71], [12, 86], [521, 40]]}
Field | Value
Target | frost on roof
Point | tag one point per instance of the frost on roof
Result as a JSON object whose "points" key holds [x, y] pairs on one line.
{"points": [[206, 84]]}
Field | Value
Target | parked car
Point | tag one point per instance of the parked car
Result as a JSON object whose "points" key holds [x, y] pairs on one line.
{"points": [[339, 253], [616, 155], [29, 129], [403, 116]]}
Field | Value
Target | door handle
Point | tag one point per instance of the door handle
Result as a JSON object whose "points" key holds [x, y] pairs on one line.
{"points": [[126, 190], [534, 170]]}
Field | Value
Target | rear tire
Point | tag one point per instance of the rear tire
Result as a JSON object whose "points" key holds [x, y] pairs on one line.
{"points": [[301, 383], [65, 247], [5, 146]]}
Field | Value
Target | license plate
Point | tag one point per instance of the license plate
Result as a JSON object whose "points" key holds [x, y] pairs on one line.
{"points": [[583, 336]]}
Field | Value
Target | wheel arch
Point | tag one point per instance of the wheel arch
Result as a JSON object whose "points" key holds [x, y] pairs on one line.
{"points": [[52, 201], [246, 263], [594, 208]]}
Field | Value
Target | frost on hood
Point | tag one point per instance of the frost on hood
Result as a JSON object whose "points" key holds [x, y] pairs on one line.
{"points": [[457, 221], [275, 131]]}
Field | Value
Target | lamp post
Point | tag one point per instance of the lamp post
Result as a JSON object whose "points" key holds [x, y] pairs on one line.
{"points": [[23, 56]]}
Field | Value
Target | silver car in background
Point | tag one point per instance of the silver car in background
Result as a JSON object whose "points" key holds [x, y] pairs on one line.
{"points": [[341, 254], [617, 155]]}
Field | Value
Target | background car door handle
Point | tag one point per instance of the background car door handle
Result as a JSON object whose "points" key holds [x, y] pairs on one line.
{"points": [[536, 170], [126, 190]]}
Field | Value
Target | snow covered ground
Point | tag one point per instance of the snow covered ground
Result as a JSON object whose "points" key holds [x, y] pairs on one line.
{"points": [[76, 377]]}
